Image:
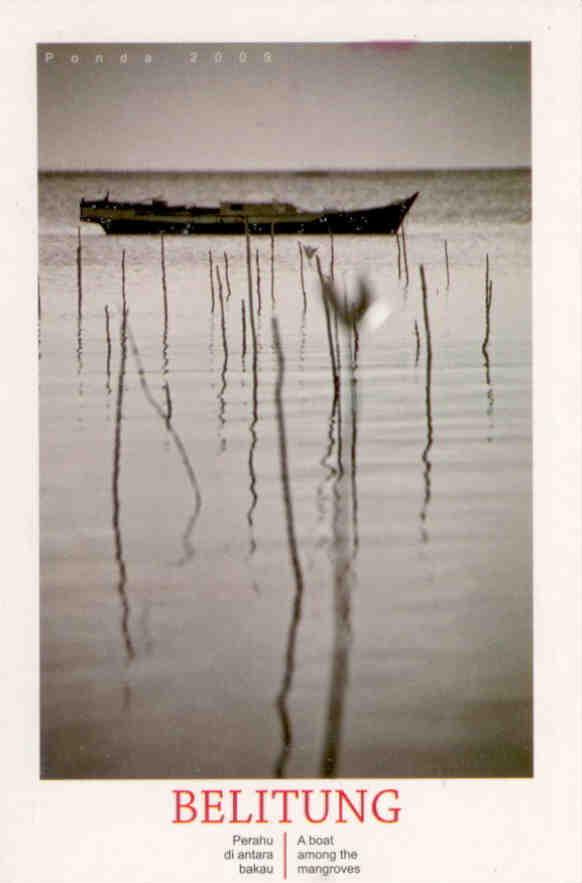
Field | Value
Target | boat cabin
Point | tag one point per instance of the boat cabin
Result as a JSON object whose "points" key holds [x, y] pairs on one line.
{"points": [[264, 208]]}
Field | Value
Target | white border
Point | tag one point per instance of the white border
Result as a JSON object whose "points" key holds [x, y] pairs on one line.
{"points": [[478, 830]]}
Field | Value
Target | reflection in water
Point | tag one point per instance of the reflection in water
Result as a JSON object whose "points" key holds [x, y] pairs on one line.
{"points": [[168, 402], [417, 336], [302, 345], [342, 628], [429, 428], [259, 333], [330, 470], [343, 576], [187, 545], [165, 358], [121, 567], [255, 405], [221, 394], [281, 701], [342, 557], [490, 396], [251, 462]]}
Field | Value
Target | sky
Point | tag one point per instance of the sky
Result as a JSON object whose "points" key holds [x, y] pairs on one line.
{"points": [[283, 106]]}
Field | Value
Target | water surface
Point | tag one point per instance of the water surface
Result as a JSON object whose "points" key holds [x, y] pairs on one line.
{"points": [[245, 574]]}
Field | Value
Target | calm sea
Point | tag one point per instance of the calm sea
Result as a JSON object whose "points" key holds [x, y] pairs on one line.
{"points": [[245, 574]]}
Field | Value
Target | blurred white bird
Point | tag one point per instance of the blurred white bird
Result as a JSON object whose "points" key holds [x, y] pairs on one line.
{"points": [[309, 250], [367, 311]]}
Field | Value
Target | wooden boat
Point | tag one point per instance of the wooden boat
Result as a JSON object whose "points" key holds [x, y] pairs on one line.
{"points": [[232, 218]]}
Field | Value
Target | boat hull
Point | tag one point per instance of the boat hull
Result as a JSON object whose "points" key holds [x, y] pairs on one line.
{"points": [[141, 219]]}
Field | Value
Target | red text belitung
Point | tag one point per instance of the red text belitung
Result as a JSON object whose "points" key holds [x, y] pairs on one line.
{"points": [[234, 806]]}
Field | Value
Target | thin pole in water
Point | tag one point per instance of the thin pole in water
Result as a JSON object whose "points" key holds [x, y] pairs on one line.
{"points": [[227, 277], [399, 255], [211, 271], [244, 329], [405, 254], [272, 262], [258, 281], [79, 274], [164, 282], [302, 276]]}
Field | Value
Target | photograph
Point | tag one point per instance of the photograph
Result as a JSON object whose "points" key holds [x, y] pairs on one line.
{"points": [[284, 324]]}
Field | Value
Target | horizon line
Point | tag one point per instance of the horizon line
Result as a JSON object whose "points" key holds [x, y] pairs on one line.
{"points": [[284, 171]]}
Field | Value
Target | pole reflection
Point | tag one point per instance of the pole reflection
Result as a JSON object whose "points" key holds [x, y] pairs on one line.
{"points": [[118, 544], [253, 423], [222, 391], [187, 544], [345, 499], [289, 669], [428, 411]]}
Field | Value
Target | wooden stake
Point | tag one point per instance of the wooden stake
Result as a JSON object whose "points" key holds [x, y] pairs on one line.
{"points": [[123, 292], [272, 262], [79, 274], [404, 254], [323, 283], [108, 337], [164, 283], [250, 294], [211, 280], [425, 313], [227, 277], [222, 318], [302, 276], [399, 255], [332, 255], [258, 282], [244, 329], [488, 299]]}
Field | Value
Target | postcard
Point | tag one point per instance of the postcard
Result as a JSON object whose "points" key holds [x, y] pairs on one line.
{"points": [[303, 592]]}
